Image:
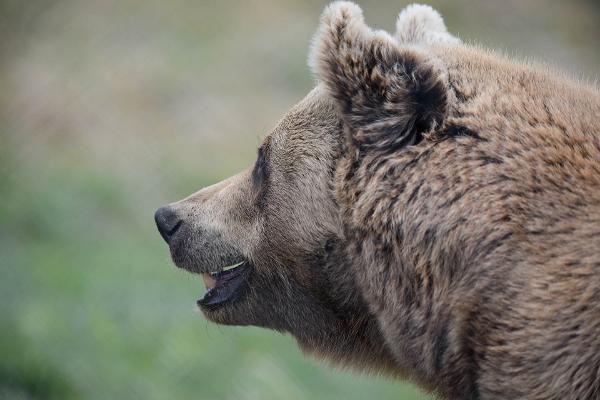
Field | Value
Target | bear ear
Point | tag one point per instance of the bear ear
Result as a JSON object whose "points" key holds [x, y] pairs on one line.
{"points": [[419, 23], [386, 96]]}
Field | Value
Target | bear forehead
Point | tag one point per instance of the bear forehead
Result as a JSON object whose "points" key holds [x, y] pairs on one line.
{"points": [[308, 123]]}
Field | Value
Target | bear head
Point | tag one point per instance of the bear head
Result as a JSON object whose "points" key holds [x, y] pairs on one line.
{"points": [[269, 241]]}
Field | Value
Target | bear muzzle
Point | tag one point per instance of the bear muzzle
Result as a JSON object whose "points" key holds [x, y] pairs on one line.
{"points": [[224, 270]]}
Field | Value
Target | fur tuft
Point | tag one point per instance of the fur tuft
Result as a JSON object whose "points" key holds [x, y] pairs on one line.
{"points": [[334, 12], [419, 23]]}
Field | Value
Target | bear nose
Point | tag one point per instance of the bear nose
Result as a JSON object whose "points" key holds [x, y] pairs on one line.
{"points": [[167, 222]]}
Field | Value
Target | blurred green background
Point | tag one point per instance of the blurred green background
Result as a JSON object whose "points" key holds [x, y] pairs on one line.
{"points": [[109, 109]]}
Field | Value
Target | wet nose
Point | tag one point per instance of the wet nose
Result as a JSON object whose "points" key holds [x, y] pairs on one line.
{"points": [[167, 222]]}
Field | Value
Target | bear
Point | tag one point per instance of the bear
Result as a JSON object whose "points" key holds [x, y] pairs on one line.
{"points": [[429, 211]]}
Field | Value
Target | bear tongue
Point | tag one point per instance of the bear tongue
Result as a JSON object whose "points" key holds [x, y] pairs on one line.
{"points": [[209, 281]]}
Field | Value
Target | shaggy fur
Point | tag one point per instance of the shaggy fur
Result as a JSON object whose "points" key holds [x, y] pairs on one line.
{"points": [[430, 211]]}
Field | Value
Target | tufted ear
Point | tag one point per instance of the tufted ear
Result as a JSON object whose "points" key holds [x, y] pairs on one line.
{"points": [[419, 23], [387, 96]]}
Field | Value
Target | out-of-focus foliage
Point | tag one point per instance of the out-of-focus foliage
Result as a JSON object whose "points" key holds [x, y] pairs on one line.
{"points": [[109, 109]]}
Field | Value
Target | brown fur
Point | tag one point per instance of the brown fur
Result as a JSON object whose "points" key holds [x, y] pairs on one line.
{"points": [[431, 210]]}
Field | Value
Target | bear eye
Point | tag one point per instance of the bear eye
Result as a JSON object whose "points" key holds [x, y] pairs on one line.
{"points": [[259, 171]]}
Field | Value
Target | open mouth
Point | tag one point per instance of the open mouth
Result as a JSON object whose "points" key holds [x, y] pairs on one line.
{"points": [[226, 285]]}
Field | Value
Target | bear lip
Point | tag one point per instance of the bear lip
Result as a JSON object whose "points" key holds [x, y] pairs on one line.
{"points": [[210, 278], [225, 286]]}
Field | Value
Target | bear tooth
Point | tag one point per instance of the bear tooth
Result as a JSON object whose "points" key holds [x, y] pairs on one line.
{"points": [[233, 266]]}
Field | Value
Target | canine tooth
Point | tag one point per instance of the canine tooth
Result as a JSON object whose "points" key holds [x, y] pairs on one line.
{"points": [[233, 266]]}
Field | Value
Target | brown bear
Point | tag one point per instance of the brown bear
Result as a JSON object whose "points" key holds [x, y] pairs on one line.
{"points": [[431, 210]]}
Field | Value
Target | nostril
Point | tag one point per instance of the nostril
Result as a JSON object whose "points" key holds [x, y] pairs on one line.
{"points": [[167, 222]]}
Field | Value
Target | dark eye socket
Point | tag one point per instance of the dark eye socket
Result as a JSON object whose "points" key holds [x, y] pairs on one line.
{"points": [[260, 168]]}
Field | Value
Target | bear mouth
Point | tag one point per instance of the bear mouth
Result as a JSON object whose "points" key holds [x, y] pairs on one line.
{"points": [[225, 286]]}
